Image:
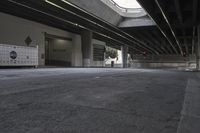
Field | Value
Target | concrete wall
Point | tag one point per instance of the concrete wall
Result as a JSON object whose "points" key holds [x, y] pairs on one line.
{"points": [[163, 61], [14, 31], [162, 58], [158, 65]]}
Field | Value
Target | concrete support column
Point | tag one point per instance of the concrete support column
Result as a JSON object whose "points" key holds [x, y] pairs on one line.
{"points": [[198, 50], [124, 50], [86, 39]]}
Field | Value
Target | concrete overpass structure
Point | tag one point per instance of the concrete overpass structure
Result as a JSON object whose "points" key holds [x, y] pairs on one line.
{"points": [[75, 33], [155, 30]]}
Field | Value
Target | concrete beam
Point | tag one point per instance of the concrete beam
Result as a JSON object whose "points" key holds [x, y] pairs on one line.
{"points": [[98, 8], [136, 22]]}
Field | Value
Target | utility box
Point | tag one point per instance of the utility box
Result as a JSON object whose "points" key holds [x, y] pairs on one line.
{"points": [[12, 55]]}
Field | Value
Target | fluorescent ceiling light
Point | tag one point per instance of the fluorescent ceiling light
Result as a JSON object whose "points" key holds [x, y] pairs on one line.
{"points": [[128, 3]]}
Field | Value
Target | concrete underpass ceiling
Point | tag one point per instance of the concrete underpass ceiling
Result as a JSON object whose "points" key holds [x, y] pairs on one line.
{"points": [[178, 20], [173, 24], [113, 15], [130, 23], [105, 10], [139, 33]]}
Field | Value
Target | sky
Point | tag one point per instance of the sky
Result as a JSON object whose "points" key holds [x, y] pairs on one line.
{"points": [[128, 3]]}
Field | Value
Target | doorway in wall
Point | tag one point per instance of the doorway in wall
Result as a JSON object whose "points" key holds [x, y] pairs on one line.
{"points": [[58, 51]]}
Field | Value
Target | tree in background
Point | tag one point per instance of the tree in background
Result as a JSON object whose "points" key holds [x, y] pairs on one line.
{"points": [[111, 53]]}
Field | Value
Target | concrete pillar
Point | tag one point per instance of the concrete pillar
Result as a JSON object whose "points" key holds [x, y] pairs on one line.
{"points": [[198, 50], [76, 51], [124, 50], [86, 39]]}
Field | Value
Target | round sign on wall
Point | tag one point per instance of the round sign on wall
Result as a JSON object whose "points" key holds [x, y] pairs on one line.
{"points": [[13, 55]]}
